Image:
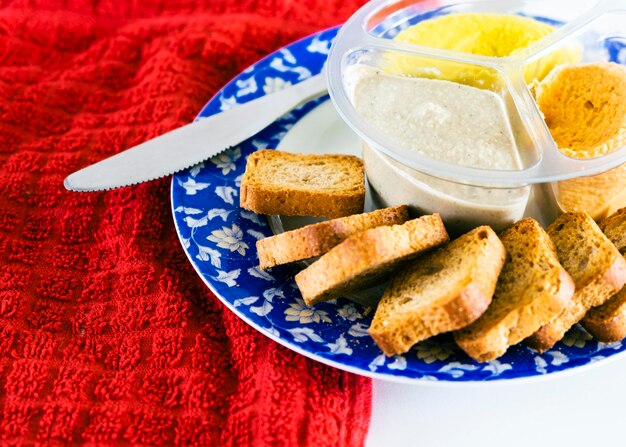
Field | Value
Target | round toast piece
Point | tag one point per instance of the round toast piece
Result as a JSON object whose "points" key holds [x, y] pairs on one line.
{"points": [[440, 292], [594, 263], [277, 182], [368, 257], [316, 239], [533, 288], [607, 323]]}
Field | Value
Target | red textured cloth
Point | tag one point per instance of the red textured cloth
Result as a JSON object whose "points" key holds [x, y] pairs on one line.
{"points": [[107, 335]]}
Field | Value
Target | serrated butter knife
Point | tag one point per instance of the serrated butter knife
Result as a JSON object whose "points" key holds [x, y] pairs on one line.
{"points": [[193, 143]]}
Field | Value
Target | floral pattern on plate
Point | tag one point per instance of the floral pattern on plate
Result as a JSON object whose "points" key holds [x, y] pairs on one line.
{"points": [[219, 238]]}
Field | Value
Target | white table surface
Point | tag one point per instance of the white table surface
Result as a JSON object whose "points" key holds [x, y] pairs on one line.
{"points": [[587, 408], [580, 409]]}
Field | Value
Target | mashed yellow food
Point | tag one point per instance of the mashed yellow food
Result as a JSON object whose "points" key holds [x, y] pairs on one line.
{"points": [[585, 109], [494, 35]]}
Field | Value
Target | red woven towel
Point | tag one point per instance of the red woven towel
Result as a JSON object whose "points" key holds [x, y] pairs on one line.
{"points": [[107, 336]]}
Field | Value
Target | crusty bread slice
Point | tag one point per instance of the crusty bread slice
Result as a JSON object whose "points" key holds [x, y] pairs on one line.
{"points": [[440, 292], [607, 323], [316, 239], [614, 227], [365, 258], [278, 182], [595, 265], [533, 288]]}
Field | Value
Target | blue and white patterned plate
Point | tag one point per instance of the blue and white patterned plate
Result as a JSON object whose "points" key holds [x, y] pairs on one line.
{"points": [[219, 239]]}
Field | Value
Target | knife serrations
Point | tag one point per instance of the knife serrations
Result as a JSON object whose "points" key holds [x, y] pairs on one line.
{"points": [[76, 187], [189, 145]]}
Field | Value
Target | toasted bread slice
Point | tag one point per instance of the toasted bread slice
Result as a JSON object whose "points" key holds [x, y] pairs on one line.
{"points": [[596, 266], [365, 258], [533, 288], [614, 227], [315, 240], [440, 292], [303, 185], [607, 323]]}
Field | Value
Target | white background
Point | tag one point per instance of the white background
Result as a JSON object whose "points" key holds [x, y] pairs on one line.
{"points": [[586, 408]]}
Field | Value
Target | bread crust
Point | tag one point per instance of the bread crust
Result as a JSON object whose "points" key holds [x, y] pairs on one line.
{"points": [[595, 293], [303, 189], [595, 265], [315, 240], [485, 349], [607, 323], [465, 306], [533, 288], [366, 257], [266, 200], [411, 310]]}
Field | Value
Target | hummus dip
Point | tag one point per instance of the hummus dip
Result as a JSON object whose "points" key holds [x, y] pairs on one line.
{"points": [[443, 120], [440, 119]]}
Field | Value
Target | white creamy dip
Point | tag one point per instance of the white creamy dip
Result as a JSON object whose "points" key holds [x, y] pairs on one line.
{"points": [[462, 207], [440, 119], [446, 121]]}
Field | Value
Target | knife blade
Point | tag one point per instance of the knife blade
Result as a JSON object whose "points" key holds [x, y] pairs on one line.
{"points": [[189, 145]]}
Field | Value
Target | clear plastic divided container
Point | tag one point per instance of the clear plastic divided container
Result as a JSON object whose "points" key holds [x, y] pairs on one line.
{"points": [[482, 154]]}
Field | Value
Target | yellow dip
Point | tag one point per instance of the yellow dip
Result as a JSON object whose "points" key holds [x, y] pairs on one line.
{"points": [[585, 109], [493, 35]]}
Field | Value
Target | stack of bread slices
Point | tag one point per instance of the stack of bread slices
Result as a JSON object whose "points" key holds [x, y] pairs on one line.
{"points": [[490, 291]]}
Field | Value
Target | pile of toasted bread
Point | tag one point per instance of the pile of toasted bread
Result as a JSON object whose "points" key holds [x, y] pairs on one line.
{"points": [[490, 291]]}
